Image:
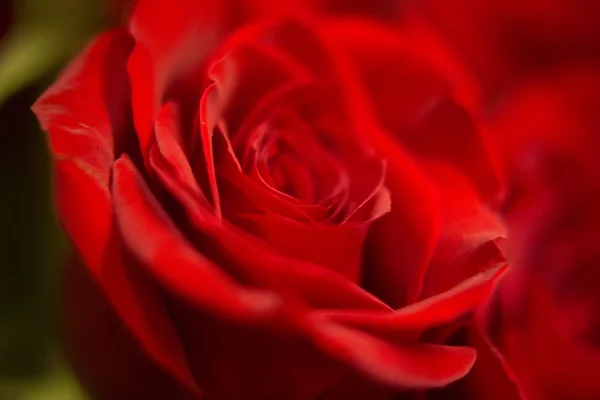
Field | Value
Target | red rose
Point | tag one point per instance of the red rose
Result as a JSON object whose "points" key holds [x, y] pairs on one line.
{"points": [[490, 45], [293, 209], [546, 315]]}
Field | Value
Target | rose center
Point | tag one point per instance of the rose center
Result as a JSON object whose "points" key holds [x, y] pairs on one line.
{"points": [[286, 154]]}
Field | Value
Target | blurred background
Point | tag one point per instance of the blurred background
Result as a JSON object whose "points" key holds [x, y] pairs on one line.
{"points": [[37, 38]]}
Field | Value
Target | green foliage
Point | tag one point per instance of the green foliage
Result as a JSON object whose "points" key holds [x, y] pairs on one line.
{"points": [[43, 35]]}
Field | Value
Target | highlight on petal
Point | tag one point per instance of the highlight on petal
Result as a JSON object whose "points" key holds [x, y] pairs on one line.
{"points": [[438, 310], [403, 365]]}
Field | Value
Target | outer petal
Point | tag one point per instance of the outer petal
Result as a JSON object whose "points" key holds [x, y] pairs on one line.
{"points": [[488, 378], [442, 309], [87, 120], [170, 258], [239, 361], [404, 365], [109, 360], [86, 124]]}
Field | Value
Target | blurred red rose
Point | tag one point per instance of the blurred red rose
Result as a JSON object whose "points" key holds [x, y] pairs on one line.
{"points": [[529, 71], [294, 208], [546, 315], [490, 45]]}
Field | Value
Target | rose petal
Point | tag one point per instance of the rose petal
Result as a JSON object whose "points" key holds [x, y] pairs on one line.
{"points": [[85, 120], [266, 362], [410, 365], [172, 42], [431, 312], [166, 254], [338, 248], [85, 123], [108, 359], [246, 80], [397, 258], [416, 103], [319, 286], [169, 142], [500, 43]]}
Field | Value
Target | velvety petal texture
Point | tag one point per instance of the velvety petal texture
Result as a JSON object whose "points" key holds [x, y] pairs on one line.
{"points": [[88, 122], [273, 205]]}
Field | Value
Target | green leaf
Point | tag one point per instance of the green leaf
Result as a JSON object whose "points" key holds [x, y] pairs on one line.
{"points": [[44, 35], [60, 385]]}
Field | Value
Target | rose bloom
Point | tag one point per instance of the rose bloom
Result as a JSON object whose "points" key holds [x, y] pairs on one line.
{"points": [[272, 204], [545, 317]]}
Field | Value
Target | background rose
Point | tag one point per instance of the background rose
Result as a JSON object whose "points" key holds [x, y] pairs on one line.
{"points": [[545, 317], [528, 71], [489, 46], [170, 232]]}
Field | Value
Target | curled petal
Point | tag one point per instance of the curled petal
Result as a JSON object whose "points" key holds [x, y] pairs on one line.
{"points": [[410, 365], [163, 250], [87, 123], [171, 45], [438, 310]]}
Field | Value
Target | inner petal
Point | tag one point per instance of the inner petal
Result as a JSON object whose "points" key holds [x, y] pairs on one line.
{"points": [[285, 154]]}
